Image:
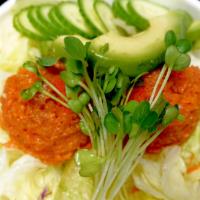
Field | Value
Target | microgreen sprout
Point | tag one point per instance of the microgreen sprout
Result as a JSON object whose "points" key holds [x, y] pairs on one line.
{"points": [[170, 38], [29, 93], [47, 61], [184, 45], [31, 67], [75, 105], [88, 162], [175, 59], [74, 48]]}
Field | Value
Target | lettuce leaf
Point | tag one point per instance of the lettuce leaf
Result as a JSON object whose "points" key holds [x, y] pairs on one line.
{"points": [[14, 48], [165, 176], [23, 177]]}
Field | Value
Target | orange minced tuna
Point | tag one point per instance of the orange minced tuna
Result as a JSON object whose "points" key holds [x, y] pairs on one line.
{"points": [[183, 88], [40, 127]]}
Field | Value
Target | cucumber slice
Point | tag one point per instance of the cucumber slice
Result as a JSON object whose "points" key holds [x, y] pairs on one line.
{"points": [[22, 24], [61, 27], [194, 31], [146, 9], [90, 15], [69, 15], [104, 11], [33, 18], [121, 10], [43, 14]]}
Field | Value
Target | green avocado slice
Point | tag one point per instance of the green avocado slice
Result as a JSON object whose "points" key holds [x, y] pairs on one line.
{"points": [[143, 51], [194, 31]]}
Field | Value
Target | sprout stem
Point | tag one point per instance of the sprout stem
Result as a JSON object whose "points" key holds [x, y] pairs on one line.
{"points": [[157, 83], [162, 87], [54, 88], [48, 94]]}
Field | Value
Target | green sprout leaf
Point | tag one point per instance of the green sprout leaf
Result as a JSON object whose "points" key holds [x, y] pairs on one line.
{"points": [[131, 106], [117, 96], [84, 98], [184, 45], [47, 61], [182, 62], [31, 67], [134, 130], [111, 123], [128, 121], [112, 71], [170, 38], [171, 56], [171, 114], [75, 48], [70, 79], [89, 163], [160, 105], [123, 81], [141, 111], [29, 93], [75, 105], [150, 121], [75, 66], [72, 92], [110, 86], [84, 128]]}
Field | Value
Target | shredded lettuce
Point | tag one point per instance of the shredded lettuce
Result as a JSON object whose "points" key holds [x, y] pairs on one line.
{"points": [[165, 176], [23, 177], [72, 185], [14, 48]]}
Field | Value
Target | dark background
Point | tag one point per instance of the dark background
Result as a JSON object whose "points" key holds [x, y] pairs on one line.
{"points": [[1, 2]]}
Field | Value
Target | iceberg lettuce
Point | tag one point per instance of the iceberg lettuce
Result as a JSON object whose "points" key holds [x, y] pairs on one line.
{"points": [[14, 48], [23, 177], [165, 176]]}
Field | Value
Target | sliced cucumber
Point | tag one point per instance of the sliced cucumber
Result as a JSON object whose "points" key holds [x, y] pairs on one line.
{"points": [[122, 11], [43, 14], [104, 11], [147, 9], [33, 18], [62, 28], [69, 15], [90, 15], [194, 31], [23, 25]]}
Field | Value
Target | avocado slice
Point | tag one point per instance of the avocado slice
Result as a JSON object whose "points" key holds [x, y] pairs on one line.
{"points": [[143, 51], [194, 31]]}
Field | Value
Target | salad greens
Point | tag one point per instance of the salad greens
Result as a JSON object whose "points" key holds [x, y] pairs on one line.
{"points": [[120, 130], [106, 115], [42, 182], [154, 174], [10, 43]]}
